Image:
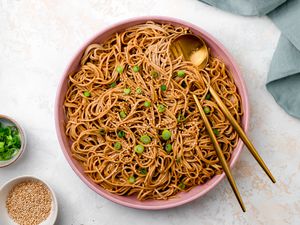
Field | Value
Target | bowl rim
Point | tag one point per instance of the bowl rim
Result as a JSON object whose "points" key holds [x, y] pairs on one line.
{"points": [[141, 19], [23, 141], [19, 179]]}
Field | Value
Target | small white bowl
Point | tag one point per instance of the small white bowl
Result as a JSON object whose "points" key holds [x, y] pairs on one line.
{"points": [[4, 191], [11, 122]]}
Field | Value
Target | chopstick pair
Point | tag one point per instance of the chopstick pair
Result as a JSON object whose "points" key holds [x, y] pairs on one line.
{"points": [[219, 152]]}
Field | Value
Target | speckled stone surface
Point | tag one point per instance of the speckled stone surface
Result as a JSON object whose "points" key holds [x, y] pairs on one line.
{"points": [[38, 39]]}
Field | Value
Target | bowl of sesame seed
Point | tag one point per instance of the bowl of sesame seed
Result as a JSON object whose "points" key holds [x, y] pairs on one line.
{"points": [[27, 200]]}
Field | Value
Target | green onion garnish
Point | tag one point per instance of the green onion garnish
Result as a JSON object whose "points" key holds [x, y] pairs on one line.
{"points": [[143, 171], [207, 97], [206, 109], [121, 134], [145, 139], [181, 73], [163, 87], [216, 132], [181, 186], [139, 149], [119, 69], [168, 148], [101, 131], [87, 94], [180, 118], [154, 74], [166, 135], [113, 84], [117, 145], [131, 179], [161, 108], [139, 91], [122, 115], [147, 104], [127, 91], [136, 69]]}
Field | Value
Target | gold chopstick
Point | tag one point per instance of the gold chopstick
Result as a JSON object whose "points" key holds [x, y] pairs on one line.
{"points": [[220, 154], [241, 133]]}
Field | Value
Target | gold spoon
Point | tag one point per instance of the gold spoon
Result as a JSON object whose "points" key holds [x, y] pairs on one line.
{"points": [[194, 49]]}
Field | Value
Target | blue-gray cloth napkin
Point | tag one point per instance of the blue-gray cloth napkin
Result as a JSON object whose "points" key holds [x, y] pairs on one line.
{"points": [[283, 80]]}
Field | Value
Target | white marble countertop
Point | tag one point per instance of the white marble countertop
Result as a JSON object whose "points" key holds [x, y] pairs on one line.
{"points": [[39, 38]]}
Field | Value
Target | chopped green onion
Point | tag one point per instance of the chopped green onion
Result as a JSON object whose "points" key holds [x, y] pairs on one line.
{"points": [[166, 135], [101, 131], [216, 132], [168, 148], [10, 142], [9, 138], [143, 171], [178, 159], [154, 74], [181, 186], [131, 179], [113, 84], [163, 87], [117, 145], [87, 94], [206, 109], [145, 139], [207, 97], [161, 108], [122, 114], [136, 69], [2, 146], [121, 134], [180, 118], [120, 69], [139, 149], [181, 73], [147, 104], [139, 91], [127, 91]]}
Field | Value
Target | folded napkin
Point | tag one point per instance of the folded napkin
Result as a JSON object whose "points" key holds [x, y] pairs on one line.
{"points": [[283, 80]]}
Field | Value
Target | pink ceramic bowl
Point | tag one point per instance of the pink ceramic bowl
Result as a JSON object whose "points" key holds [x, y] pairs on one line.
{"points": [[217, 49]]}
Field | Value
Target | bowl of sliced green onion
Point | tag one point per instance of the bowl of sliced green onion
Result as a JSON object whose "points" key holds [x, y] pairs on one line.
{"points": [[12, 141]]}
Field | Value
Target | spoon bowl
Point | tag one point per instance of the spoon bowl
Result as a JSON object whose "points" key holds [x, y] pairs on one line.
{"points": [[191, 48]]}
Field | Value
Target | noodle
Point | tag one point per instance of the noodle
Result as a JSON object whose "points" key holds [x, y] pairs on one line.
{"points": [[96, 96]]}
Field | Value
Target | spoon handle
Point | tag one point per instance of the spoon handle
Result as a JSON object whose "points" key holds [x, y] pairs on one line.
{"points": [[220, 155], [241, 133]]}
